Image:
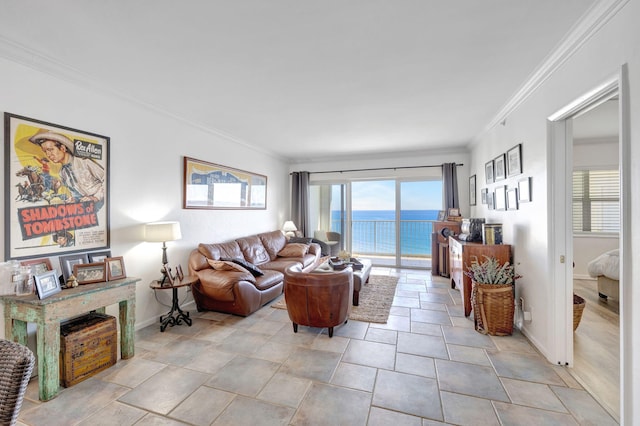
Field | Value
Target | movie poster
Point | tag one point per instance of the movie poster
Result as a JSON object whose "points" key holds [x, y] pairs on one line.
{"points": [[56, 189]]}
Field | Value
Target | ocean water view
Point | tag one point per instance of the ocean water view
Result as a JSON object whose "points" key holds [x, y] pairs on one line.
{"points": [[374, 231]]}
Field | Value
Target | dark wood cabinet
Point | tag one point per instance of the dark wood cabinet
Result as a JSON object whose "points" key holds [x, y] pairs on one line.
{"points": [[461, 254], [440, 247]]}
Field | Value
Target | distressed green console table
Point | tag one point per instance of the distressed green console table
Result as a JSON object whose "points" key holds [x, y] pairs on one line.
{"points": [[48, 313]]}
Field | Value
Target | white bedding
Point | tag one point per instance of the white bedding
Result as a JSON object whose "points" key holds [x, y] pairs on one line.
{"points": [[607, 264]]}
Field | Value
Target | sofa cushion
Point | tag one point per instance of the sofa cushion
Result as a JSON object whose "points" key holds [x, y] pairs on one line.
{"points": [[273, 242], [226, 265], [303, 240], [268, 280], [216, 251], [252, 250], [255, 271], [294, 250]]}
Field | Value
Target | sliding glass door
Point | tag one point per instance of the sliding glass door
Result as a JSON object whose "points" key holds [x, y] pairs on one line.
{"points": [[388, 221]]}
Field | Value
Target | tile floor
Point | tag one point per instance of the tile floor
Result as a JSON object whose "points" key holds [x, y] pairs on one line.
{"points": [[426, 366]]}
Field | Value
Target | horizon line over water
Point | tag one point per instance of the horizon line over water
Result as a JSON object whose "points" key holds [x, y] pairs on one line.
{"points": [[374, 231]]}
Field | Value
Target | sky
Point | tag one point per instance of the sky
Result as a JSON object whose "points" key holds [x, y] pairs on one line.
{"points": [[380, 195]]}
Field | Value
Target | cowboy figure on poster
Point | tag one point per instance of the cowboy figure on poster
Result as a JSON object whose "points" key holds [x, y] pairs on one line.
{"points": [[58, 186]]}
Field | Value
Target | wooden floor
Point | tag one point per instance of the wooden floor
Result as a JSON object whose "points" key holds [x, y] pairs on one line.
{"points": [[596, 347]]}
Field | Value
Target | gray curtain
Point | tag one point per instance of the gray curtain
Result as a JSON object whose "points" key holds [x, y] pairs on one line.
{"points": [[300, 200], [450, 186]]}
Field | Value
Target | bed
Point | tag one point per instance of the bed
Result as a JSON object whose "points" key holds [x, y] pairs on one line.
{"points": [[606, 269]]}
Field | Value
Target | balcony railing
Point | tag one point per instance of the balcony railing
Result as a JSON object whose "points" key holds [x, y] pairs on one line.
{"points": [[378, 237]]}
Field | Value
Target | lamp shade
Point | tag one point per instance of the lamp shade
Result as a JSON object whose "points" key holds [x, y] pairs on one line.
{"points": [[289, 226], [159, 232]]}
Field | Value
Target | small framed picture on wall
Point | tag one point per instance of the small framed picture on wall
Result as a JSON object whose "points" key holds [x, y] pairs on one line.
{"points": [[472, 190], [499, 172]]}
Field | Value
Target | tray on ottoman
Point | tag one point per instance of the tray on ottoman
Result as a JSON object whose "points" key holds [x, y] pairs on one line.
{"points": [[338, 264]]}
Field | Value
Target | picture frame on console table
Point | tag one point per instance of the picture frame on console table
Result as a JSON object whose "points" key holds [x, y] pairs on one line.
{"points": [[47, 284], [49, 212], [115, 268], [67, 263], [38, 266], [90, 273], [212, 186]]}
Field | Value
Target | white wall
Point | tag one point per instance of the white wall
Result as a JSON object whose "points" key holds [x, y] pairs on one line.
{"points": [[146, 173], [598, 59]]}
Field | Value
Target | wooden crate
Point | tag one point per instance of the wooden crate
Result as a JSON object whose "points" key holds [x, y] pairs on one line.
{"points": [[88, 345]]}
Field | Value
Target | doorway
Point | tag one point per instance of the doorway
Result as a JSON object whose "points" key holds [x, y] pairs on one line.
{"points": [[561, 250]]}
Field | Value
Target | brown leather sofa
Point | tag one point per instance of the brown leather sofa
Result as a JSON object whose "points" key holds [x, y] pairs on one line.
{"points": [[318, 299], [239, 291]]}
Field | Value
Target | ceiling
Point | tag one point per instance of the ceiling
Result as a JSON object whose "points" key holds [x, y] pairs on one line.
{"points": [[302, 79]]}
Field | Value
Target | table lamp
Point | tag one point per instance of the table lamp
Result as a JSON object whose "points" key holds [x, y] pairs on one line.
{"points": [[289, 229], [161, 232]]}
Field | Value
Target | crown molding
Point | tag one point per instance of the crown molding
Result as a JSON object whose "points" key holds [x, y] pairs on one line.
{"points": [[18, 53], [591, 22]]}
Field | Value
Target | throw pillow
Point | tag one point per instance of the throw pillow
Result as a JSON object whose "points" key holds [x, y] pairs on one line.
{"points": [[255, 271], [225, 265], [302, 240], [294, 250]]}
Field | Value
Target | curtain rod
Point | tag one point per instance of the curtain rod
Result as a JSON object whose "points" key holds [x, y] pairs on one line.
{"points": [[381, 168]]}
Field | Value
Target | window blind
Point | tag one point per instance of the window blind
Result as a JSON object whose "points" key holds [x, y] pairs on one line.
{"points": [[596, 201]]}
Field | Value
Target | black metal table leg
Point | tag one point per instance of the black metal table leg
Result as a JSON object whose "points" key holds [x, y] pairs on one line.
{"points": [[176, 315]]}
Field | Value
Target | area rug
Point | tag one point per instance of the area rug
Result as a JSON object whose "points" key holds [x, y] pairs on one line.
{"points": [[376, 298]]}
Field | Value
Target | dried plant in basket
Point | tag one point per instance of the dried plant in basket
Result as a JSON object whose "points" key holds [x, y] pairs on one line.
{"points": [[490, 271]]}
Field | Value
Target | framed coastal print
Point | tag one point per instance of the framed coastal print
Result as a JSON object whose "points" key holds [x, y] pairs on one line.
{"points": [[212, 186], [491, 200], [512, 199], [488, 172], [47, 284], [38, 266], [499, 168], [524, 190], [472, 190], [501, 197], [89, 273], [483, 195], [514, 161], [56, 189]]}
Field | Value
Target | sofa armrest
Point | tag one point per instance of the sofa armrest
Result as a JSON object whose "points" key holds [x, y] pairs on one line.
{"points": [[220, 284], [315, 249]]}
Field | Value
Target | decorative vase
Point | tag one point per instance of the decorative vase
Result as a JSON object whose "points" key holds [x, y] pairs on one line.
{"points": [[493, 308]]}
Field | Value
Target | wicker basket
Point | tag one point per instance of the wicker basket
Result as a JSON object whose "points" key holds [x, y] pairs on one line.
{"points": [[578, 308], [493, 308]]}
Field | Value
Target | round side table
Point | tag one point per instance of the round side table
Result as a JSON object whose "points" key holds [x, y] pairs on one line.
{"points": [[176, 315]]}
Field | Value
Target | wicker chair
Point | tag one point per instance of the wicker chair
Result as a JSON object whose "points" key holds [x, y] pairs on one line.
{"points": [[16, 365]]}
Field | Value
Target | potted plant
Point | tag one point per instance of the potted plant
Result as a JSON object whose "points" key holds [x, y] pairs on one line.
{"points": [[492, 295]]}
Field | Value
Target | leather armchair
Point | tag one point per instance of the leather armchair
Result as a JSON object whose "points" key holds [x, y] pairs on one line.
{"points": [[318, 299]]}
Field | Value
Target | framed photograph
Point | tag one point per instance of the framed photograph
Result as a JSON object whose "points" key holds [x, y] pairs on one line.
{"points": [[49, 211], [179, 273], [499, 168], [472, 190], [524, 190], [47, 284], [512, 199], [501, 197], [483, 195], [212, 186], [514, 161], [99, 256], [454, 212], [442, 215], [488, 172], [67, 263], [115, 268], [38, 266], [168, 274], [89, 273], [491, 205]]}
